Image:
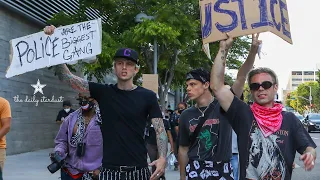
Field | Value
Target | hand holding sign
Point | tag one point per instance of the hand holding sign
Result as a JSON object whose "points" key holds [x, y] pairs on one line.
{"points": [[49, 30], [255, 41], [226, 44], [67, 45], [243, 17], [256, 45]]}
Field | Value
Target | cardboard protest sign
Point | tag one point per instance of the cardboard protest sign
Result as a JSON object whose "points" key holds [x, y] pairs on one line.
{"points": [[206, 49], [243, 17], [150, 81], [67, 44]]}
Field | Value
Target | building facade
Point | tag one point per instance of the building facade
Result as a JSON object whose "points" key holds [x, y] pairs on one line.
{"points": [[33, 124], [298, 77]]}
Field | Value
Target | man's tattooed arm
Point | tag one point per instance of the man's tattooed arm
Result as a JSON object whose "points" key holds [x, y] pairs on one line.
{"points": [[75, 82], [162, 139], [221, 92], [217, 74]]}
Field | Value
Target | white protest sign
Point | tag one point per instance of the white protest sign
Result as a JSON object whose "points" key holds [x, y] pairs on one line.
{"points": [[67, 44]]}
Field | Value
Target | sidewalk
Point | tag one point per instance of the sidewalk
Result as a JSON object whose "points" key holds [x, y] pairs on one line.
{"points": [[33, 166]]}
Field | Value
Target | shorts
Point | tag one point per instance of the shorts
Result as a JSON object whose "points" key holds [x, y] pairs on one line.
{"points": [[209, 170]]}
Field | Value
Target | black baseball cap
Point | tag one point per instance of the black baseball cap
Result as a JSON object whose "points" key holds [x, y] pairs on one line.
{"points": [[127, 53]]}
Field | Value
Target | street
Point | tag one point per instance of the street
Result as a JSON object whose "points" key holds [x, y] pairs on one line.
{"points": [[33, 166], [299, 173]]}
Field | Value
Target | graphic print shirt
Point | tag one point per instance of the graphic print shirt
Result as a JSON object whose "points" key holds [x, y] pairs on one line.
{"points": [[214, 140], [266, 157]]}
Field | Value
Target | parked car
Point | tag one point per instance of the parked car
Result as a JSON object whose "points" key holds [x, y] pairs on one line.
{"points": [[312, 122], [299, 116]]}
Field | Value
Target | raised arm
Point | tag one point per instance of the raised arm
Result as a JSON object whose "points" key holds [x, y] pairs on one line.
{"points": [[64, 73], [238, 85], [75, 82], [222, 92]]}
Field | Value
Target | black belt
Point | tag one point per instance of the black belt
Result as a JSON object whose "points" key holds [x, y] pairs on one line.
{"points": [[123, 168], [234, 153]]}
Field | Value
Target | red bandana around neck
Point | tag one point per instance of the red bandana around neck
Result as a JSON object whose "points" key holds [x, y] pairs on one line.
{"points": [[269, 119]]}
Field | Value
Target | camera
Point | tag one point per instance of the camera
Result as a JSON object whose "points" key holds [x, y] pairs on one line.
{"points": [[57, 162], [81, 149]]}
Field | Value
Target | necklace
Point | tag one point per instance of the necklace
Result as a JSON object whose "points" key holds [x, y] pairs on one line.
{"points": [[133, 88], [204, 111]]}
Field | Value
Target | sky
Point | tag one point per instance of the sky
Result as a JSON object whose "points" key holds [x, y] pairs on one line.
{"points": [[283, 57]]}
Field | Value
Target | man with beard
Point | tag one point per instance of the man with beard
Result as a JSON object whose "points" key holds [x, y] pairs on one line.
{"points": [[268, 138], [79, 142], [125, 110]]}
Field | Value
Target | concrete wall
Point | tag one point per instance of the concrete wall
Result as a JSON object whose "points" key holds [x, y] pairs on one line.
{"points": [[33, 127]]}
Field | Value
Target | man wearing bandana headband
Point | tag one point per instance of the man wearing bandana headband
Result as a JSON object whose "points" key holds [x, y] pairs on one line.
{"points": [[268, 138], [208, 156], [81, 128]]}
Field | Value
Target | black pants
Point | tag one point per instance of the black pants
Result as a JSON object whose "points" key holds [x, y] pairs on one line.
{"points": [[209, 170], [176, 151], [153, 155]]}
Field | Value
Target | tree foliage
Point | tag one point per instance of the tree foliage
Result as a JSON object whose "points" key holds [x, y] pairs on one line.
{"points": [[176, 27], [299, 99], [318, 76], [246, 93]]}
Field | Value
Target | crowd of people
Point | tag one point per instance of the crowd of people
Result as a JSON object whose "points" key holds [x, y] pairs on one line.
{"points": [[119, 126]]}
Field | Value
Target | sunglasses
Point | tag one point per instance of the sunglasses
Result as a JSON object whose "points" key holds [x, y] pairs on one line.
{"points": [[256, 86]]}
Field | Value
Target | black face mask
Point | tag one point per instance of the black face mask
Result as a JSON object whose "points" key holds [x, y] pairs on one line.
{"points": [[180, 111], [86, 105]]}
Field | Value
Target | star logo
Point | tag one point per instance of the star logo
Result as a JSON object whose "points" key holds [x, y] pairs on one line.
{"points": [[38, 87]]}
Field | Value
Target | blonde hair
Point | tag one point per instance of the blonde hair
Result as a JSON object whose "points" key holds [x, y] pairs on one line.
{"points": [[263, 70]]}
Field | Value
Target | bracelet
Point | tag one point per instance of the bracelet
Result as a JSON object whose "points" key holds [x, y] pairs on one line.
{"points": [[312, 152]]}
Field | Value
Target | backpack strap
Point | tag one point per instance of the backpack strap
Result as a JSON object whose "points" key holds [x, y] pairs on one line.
{"points": [[200, 124]]}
